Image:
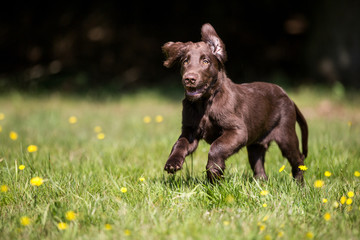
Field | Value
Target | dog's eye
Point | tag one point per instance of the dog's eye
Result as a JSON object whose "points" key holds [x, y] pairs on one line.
{"points": [[186, 61], [206, 61]]}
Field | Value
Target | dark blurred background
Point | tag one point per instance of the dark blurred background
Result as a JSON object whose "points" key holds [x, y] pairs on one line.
{"points": [[115, 45]]}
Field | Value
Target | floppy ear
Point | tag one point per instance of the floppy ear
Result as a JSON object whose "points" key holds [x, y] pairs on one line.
{"points": [[173, 51], [217, 46]]}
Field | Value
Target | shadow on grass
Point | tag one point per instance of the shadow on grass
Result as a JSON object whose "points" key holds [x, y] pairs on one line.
{"points": [[189, 180], [174, 181]]}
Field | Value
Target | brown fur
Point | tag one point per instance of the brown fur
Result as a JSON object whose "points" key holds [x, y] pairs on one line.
{"points": [[230, 116]]}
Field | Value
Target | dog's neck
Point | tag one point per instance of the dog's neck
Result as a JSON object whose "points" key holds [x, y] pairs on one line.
{"points": [[217, 84]]}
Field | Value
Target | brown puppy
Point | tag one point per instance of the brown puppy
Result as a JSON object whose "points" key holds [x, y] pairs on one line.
{"points": [[230, 116]]}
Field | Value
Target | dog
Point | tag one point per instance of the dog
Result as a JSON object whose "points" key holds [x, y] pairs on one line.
{"points": [[230, 116]]}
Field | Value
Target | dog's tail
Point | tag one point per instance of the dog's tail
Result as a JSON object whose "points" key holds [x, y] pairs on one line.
{"points": [[304, 131]]}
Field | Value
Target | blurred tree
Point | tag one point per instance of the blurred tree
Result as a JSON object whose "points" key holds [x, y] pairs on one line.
{"points": [[333, 49], [116, 45]]}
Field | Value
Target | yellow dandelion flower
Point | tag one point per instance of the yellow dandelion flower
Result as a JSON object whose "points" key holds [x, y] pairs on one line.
{"points": [[147, 119], [335, 204], [73, 120], [97, 129], [327, 216], [343, 200], [25, 221], [123, 189], [32, 148], [62, 226], [327, 174], [357, 174], [226, 223], [261, 226], [159, 119], [264, 192], [108, 227], [21, 167], [280, 234], [13, 135], [350, 194], [349, 123], [349, 201], [100, 136], [324, 200], [36, 181], [303, 167], [264, 205], [319, 183], [127, 232], [4, 188], [267, 237], [282, 168], [141, 179], [2, 116], [70, 215], [309, 235], [230, 198]]}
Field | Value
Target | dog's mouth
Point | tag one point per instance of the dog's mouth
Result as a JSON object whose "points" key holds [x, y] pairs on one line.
{"points": [[195, 91]]}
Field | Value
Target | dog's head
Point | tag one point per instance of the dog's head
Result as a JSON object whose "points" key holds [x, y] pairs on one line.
{"points": [[200, 62]]}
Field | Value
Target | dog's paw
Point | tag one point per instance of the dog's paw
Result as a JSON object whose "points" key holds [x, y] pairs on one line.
{"points": [[173, 165], [214, 175], [299, 177], [261, 177]]}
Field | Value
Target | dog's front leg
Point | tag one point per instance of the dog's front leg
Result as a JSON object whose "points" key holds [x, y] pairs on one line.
{"points": [[222, 148], [185, 145]]}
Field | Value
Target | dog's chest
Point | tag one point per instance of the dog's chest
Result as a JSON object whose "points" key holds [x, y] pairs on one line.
{"points": [[208, 129]]}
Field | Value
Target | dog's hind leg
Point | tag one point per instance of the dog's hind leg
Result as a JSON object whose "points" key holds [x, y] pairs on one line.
{"points": [[289, 146], [256, 154]]}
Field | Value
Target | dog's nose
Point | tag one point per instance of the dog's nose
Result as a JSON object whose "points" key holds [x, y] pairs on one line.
{"points": [[190, 78]]}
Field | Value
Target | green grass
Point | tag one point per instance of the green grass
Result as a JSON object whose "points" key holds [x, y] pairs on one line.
{"points": [[84, 174]]}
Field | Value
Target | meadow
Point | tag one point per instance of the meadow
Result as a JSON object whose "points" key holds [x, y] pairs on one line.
{"points": [[82, 167]]}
